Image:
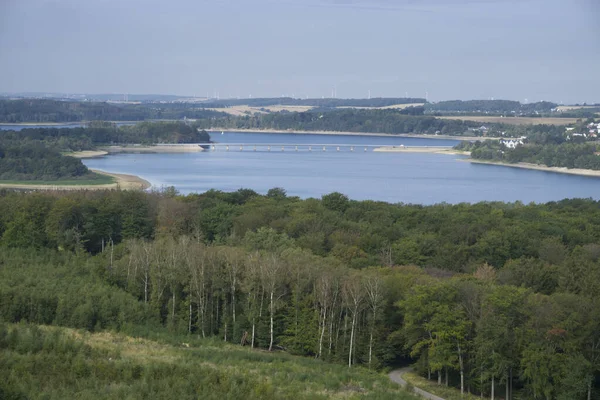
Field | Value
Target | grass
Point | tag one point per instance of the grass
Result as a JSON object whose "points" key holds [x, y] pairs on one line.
{"points": [[448, 393], [55, 363], [94, 179]]}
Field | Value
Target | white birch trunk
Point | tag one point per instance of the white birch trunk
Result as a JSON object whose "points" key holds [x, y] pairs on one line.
{"points": [[271, 325]]}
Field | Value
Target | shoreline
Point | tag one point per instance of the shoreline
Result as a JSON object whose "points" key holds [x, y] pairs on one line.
{"points": [[183, 148], [421, 149], [86, 154], [122, 181], [561, 170], [126, 181], [342, 133]]}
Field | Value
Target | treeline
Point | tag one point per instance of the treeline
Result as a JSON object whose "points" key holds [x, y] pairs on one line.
{"points": [[37, 110], [35, 162], [347, 120], [567, 155], [490, 294], [104, 133], [500, 107]]}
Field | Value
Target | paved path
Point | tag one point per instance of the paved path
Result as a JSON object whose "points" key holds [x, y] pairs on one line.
{"points": [[396, 376]]}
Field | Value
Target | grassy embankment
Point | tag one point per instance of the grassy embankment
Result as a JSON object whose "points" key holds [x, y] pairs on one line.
{"points": [[447, 393], [55, 363], [92, 179]]}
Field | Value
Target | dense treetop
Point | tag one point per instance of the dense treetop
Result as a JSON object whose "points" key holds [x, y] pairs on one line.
{"points": [[35, 162], [346, 120], [35, 110], [484, 294], [103, 133], [500, 107]]}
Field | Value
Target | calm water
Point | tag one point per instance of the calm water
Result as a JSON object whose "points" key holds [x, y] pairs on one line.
{"points": [[391, 177]]}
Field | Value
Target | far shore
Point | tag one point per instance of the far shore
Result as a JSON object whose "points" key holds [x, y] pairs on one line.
{"points": [[121, 181], [537, 167], [405, 135], [66, 123]]}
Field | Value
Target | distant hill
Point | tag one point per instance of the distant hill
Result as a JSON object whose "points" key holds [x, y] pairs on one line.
{"points": [[328, 102], [44, 111]]}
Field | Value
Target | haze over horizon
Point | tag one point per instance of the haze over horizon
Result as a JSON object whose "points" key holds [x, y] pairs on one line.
{"points": [[453, 49]]}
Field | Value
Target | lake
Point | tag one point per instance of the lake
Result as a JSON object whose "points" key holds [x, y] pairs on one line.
{"points": [[392, 177]]}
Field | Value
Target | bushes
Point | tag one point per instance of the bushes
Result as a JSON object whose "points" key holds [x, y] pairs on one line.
{"points": [[59, 363]]}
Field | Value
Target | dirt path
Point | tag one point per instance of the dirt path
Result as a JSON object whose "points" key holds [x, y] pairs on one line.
{"points": [[396, 376]]}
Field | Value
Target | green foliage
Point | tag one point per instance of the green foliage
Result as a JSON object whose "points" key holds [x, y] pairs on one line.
{"points": [[63, 363], [487, 107], [44, 111], [25, 163], [391, 121], [502, 292], [565, 155]]}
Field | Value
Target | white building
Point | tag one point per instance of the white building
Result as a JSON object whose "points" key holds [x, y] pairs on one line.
{"points": [[512, 143]]}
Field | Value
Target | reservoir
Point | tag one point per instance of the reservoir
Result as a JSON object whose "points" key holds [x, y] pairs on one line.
{"points": [[419, 178]]}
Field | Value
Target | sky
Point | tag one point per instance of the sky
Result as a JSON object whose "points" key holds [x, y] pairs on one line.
{"points": [[526, 50]]}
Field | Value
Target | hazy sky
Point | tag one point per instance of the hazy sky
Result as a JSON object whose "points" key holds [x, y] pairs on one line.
{"points": [[453, 49]]}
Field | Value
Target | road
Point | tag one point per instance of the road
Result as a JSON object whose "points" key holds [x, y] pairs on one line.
{"points": [[396, 376]]}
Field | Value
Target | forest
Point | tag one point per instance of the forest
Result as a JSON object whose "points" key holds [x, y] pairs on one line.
{"points": [[44, 111], [346, 120], [567, 154], [35, 162], [488, 298], [35, 154], [99, 133], [494, 107]]}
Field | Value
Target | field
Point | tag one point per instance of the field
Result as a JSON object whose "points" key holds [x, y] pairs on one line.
{"points": [[56, 363], [515, 120], [247, 110], [392, 107]]}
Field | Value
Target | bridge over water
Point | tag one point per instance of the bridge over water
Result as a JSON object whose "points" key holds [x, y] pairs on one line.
{"points": [[312, 147]]}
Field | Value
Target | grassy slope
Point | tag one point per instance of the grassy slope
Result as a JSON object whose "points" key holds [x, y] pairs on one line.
{"points": [[95, 179], [56, 363]]}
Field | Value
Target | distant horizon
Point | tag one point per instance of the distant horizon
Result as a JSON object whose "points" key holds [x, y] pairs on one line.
{"points": [[527, 50], [51, 95]]}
